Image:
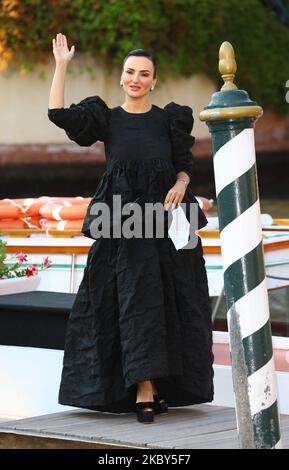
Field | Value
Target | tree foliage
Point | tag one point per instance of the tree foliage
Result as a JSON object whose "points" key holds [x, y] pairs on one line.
{"points": [[185, 35]]}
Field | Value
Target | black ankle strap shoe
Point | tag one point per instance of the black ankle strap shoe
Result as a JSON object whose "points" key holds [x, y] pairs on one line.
{"points": [[145, 411], [160, 405]]}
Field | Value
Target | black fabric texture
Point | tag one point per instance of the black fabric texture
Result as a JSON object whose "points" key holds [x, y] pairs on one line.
{"points": [[142, 309]]}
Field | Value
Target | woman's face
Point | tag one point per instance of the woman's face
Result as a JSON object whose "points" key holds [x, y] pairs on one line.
{"points": [[137, 76]]}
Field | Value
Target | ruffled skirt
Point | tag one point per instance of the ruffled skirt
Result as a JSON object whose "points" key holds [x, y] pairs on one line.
{"points": [[141, 312]]}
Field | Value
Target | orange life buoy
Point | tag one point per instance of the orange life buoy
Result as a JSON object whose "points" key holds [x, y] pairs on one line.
{"points": [[62, 224], [30, 207], [27, 222], [11, 212], [63, 211], [8, 202], [77, 200], [204, 203]]}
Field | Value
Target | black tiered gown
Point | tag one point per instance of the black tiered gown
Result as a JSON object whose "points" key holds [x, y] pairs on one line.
{"points": [[142, 309]]}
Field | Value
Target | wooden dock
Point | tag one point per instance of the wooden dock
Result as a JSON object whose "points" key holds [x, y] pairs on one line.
{"points": [[193, 427]]}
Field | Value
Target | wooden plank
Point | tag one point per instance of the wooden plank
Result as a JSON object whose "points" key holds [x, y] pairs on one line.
{"points": [[194, 427], [16, 441]]}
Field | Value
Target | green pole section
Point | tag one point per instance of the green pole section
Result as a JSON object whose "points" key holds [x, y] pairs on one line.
{"points": [[231, 116]]}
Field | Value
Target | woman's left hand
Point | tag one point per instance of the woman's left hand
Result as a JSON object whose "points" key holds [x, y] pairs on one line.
{"points": [[175, 195]]}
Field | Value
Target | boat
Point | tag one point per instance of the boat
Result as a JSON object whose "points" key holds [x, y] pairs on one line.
{"points": [[68, 250]]}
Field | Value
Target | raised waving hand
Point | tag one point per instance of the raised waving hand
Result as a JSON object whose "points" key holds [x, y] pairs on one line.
{"points": [[62, 56], [61, 51]]}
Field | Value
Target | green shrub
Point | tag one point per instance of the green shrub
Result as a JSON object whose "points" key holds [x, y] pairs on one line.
{"points": [[185, 35]]}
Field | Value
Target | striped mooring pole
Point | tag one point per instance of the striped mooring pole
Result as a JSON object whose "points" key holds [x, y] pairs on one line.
{"points": [[231, 116]]}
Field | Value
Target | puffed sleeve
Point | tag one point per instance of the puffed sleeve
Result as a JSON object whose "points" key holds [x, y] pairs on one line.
{"points": [[85, 122], [180, 119]]}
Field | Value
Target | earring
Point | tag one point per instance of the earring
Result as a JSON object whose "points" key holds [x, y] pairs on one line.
{"points": [[152, 88], [121, 84]]}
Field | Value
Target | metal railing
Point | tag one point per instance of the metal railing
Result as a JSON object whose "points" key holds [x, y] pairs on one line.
{"points": [[267, 265]]}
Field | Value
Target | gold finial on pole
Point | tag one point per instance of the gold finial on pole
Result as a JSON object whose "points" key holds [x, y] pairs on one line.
{"points": [[235, 106], [227, 66]]}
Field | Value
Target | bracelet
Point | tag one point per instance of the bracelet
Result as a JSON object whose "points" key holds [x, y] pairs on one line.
{"points": [[181, 179]]}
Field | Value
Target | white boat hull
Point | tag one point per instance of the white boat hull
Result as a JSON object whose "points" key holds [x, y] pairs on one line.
{"points": [[66, 271]]}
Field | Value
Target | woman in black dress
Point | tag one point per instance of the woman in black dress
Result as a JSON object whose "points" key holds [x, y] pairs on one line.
{"points": [[139, 336]]}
